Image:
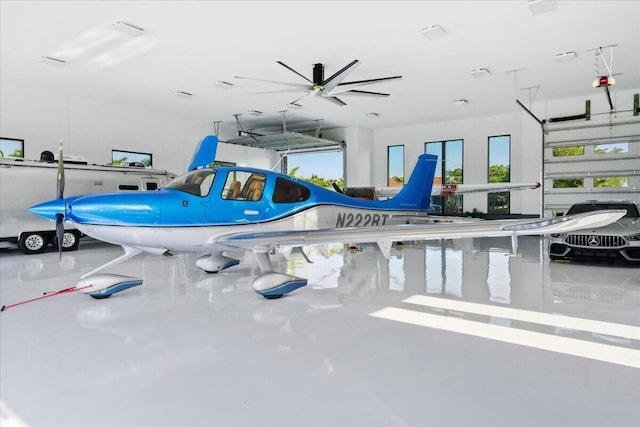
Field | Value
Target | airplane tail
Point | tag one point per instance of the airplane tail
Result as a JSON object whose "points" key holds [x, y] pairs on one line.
{"points": [[205, 154], [416, 192]]}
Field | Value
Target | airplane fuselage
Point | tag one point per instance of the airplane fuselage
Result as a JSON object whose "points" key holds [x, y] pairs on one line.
{"points": [[194, 210], [159, 238]]}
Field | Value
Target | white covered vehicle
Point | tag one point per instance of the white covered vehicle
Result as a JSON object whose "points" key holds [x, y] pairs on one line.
{"points": [[24, 183]]}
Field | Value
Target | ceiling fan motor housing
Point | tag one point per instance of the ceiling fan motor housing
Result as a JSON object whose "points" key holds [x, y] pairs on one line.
{"points": [[318, 74]]}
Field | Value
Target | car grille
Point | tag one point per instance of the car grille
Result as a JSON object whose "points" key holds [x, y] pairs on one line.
{"points": [[595, 241]]}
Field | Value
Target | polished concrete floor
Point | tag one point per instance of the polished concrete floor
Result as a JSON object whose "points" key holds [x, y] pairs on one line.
{"points": [[451, 333]]}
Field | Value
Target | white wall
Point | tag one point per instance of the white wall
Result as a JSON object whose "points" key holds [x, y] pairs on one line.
{"points": [[91, 129]]}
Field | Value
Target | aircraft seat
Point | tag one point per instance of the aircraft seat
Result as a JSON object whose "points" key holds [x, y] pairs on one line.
{"points": [[255, 190], [234, 190]]}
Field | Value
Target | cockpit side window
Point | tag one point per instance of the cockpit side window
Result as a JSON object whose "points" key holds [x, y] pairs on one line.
{"points": [[197, 182], [287, 191], [242, 185]]}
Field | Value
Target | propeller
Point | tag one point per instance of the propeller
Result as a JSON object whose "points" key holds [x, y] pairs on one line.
{"points": [[327, 88], [60, 195]]}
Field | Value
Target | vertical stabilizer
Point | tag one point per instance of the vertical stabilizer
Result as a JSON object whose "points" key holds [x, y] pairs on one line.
{"points": [[205, 154], [416, 192]]}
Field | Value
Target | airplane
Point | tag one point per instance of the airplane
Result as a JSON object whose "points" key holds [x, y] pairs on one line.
{"points": [[218, 210]]}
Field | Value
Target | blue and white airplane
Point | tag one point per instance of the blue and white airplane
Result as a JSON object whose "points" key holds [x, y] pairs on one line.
{"points": [[217, 210]]}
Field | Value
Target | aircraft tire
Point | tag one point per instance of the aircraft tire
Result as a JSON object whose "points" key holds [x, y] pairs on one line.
{"points": [[33, 242]]}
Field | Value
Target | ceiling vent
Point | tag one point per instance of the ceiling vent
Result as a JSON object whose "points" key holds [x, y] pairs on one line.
{"points": [[566, 56], [434, 32], [254, 113], [128, 29], [480, 72], [294, 106], [52, 61], [460, 102], [372, 115]]}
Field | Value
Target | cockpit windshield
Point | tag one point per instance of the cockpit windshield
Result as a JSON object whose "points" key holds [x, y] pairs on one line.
{"points": [[197, 182]]}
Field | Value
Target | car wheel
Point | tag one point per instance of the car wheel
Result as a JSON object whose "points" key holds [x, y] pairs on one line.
{"points": [[70, 241], [33, 242]]}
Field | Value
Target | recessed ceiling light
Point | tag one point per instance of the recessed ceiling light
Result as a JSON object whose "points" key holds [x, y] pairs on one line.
{"points": [[182, 94], [222, 84], [460, 102], [434, 32], [254, 113], [128, 29], [565, 56], [480, 72], [372, 115], [542, 6], [52, 61]]}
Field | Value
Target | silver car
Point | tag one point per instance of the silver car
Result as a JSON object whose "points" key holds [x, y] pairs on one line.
{"points": [[619, 241]]}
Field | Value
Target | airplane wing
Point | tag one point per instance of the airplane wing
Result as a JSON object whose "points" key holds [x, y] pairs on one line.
{"points": [[386, 235]]}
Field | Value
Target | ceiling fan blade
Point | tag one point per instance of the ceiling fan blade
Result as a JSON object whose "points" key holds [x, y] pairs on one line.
{"points": [[266, 92], [347, 86], [335, 100], [303, 96], [365, 93], [291, 69], [335, 79], [298, 85]]}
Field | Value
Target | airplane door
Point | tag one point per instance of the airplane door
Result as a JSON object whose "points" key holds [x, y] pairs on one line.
{"points": [[242, 200]]}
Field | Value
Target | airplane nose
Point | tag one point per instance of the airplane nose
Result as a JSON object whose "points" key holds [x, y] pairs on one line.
{"points": [[50, 209]]}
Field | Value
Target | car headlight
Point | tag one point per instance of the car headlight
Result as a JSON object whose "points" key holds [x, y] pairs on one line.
{"points": [[633, 237], [558, 235]]}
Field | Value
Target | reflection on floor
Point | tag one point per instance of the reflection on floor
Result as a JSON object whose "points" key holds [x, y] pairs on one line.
{"points": [[448, 333]]}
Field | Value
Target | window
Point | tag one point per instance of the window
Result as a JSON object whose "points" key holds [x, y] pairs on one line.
{"points": [[197, 182], [395, 165], [449, 170], [621, 147], [435, 148], [289, 192], [243, 185], [10, 147], [128, 187], [499, 171], [321, 168], [131, 158], [568, 183], [572, 150], [222, 163], [611, 181]]}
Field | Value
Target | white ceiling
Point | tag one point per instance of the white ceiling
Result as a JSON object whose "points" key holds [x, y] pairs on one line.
{"points": [[188, 45]]}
